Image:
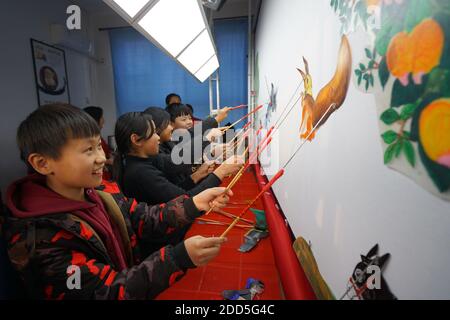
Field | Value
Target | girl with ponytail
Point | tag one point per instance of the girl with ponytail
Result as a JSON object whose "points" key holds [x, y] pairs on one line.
{"points": [[135, 136]]}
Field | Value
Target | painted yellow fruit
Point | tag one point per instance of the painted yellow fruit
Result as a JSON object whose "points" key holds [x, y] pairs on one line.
{"points": [[400, 55], [434, 131], [418, 52], [372, 2]]}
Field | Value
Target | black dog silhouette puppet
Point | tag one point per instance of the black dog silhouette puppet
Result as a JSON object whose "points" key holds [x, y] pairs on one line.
{"points": [[365, 283]]}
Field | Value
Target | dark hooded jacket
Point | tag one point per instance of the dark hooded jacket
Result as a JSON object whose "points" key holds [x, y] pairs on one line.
{"points": [[52, 246]]}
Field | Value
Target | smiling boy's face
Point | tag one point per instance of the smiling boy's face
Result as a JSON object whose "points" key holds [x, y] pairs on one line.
{"points": [[183, 122], [80, 164]]}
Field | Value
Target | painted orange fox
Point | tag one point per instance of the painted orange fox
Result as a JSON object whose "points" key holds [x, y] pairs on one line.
{"points": [[333, 94]]}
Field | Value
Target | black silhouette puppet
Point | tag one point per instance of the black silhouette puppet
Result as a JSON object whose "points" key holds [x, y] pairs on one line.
{"points": [[362, 279]]}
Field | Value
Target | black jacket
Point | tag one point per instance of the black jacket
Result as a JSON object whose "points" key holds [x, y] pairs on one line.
{"points": [[177, 174], [196, 137], [143, 181]]}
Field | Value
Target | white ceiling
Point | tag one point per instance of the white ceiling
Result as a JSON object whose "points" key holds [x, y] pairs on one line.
{"points": [[231, 8], [93, 6]]}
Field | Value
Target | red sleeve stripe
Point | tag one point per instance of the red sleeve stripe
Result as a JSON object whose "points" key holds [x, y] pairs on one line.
{"points": [[48, 291], [121, 293], [111, 278], [104, 271], [141, 228], [78, 258], [92, 267], [163, 253], [15, 238], [85, 231], [133, 206], [63, 234], [174, 276], [110, 187], [133, 241]]}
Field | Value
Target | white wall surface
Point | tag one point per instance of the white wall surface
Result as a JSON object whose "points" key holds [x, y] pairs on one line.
{"points": [[337, 193], [90, 82]]}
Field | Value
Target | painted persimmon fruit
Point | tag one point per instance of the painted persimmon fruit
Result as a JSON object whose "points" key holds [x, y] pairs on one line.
{"points": [[417, 53], [434, 131]]}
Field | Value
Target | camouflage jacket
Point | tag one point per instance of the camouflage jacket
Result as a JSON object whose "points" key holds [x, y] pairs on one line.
{"points": [[50, 252]]}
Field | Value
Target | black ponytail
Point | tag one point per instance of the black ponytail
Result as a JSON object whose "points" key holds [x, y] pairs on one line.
{"points": [[128, 124], [161, 118]]}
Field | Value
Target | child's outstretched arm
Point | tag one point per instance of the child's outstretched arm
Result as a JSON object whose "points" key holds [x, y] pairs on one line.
{"points": [[153, 221], [67, 273], [73, 267]]}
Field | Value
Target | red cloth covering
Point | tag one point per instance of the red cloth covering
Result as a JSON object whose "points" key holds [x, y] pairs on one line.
{"points": [[295, 283]]}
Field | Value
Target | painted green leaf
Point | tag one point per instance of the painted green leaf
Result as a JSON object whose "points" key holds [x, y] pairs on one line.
{"points": [[333, 4], [443, 18], [348, 13], [442, 5], [383, 38], [361, 11], [398, 148], [439, 81], [408, 111], [358, 72], [407, 135], [390, 116], [355, 23], [371, 81], [362, 67], [409, 152], [391, 24], [368, 53], [367, 84], [383, 72], [359, 79], [402, 95], [389, 154], [389, 136], [360, 7], [438, 173], [417, 11]]}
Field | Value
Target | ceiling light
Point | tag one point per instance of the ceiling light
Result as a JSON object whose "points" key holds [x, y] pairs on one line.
{"points": [[177, 27], [208, 69], [198, 53], [131, 7], [174, 23]]}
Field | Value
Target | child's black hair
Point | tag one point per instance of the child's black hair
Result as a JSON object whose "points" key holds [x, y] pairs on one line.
{"points": [[170, 96], [47, 129], [178, 110], [161, 118], [190, 108], [94, 112], [128, 124]]}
